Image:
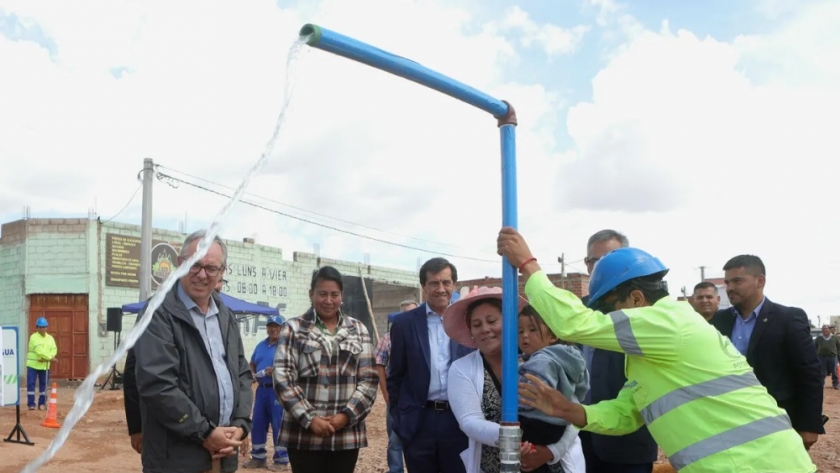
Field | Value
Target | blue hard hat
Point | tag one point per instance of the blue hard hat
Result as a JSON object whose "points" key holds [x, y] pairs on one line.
{"points": [[620, 266], [392, 316], [274, 319], [41, 322]]}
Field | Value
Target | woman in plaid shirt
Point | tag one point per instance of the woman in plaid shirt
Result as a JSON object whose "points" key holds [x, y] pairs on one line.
{"points": [[325, 376]]}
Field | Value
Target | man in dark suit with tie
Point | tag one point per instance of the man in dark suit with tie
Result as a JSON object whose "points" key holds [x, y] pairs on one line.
{"points": [[633, 453], [421, 354], [776, 340]]}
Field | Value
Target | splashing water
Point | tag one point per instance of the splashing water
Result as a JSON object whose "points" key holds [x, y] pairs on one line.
{"points": [[84, 394]]}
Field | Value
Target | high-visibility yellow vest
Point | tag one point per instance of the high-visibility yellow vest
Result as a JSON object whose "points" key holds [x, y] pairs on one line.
{"points": [[695, 392], [41, 349]]}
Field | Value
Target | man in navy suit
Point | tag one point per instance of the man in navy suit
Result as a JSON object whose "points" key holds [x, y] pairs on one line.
{"points": [[632, 453], [421, 354], [776, 340]]}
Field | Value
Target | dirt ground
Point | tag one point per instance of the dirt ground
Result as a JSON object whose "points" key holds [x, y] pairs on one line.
{"points": [[100, 444]]}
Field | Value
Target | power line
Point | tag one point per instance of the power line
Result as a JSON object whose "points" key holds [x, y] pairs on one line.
{"points": [[329, 227], [126, 204], [301, 209], [163, 177]]}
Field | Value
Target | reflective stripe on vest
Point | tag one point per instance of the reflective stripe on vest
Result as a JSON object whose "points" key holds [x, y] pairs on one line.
{"points": [[681, 396], [729, 439], [624, 333]]}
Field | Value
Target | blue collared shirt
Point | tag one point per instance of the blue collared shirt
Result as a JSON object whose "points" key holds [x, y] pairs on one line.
{"points": [[262, 358], [743, 329], [438, 356], [211, 333]]}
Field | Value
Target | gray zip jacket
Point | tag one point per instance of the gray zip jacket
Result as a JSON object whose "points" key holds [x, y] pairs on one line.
{"points": [[179, 394], [561, 367]]}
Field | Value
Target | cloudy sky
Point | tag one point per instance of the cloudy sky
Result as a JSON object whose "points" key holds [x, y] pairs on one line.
{"points": [[702, 130]]}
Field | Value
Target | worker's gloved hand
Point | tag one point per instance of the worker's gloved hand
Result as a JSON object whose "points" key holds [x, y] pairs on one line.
{"points": [[536, 393]]}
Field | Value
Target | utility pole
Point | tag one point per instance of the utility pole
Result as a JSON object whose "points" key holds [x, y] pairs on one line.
{"points": [[562, 260], [146, 231], [702, 273]]}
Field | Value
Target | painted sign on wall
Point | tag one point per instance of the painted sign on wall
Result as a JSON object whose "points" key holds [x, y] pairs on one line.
{"points": [[122, 260], [253, 280]]}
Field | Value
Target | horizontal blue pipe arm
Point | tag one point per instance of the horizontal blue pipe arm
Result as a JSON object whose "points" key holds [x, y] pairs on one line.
{"points": [[350, 48]]}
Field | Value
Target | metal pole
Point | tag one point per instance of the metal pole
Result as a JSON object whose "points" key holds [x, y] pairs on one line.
{"points": [[146, 231], [562, 261], [702, 273]]}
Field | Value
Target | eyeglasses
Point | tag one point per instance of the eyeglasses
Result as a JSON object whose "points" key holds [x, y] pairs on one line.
{"points": [[209, 270], [591, 260]]}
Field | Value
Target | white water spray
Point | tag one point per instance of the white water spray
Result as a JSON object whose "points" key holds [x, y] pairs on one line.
{"points": [[84, 394]]}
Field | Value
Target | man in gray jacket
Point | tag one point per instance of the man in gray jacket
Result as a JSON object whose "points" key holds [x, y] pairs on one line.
{"points": [[192, 376]]}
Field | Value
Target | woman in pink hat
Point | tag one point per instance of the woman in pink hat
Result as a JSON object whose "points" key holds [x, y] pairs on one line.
{"points": [[475, 386]]}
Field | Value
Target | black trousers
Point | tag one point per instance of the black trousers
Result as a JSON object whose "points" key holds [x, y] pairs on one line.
{"points": [[437, 445], [594, 464], [321, 461]]}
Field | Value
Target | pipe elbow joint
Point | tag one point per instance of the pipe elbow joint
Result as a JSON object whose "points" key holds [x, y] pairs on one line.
{"points": [[508, 118]]}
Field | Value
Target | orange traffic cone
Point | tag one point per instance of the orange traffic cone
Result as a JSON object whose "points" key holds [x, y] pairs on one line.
{"points": [[52, 410]]}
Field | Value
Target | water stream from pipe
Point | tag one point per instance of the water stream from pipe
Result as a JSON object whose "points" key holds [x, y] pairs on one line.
{"points": [[85, 393]]}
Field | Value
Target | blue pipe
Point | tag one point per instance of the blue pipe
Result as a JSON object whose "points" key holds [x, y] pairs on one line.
{"points": [[510, 281], [350, 48]]}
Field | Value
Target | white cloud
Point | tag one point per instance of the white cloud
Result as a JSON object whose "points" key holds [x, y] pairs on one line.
{"points": [[699, 160], [553, 39], [201, 94]]}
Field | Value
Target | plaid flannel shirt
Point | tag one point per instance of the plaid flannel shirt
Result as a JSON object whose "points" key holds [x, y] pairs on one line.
{"points": [[313, 380], [382, 354]]}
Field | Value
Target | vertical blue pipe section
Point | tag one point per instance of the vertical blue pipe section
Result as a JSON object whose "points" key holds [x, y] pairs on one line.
{"points": [[510, 281]]}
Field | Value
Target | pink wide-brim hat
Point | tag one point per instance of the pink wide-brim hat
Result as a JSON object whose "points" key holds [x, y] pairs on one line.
{"points": [[455, 316]]}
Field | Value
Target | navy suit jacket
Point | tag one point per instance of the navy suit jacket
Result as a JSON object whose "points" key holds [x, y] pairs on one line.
{"points": [[606, 378], [409, 372], [781, 352]]}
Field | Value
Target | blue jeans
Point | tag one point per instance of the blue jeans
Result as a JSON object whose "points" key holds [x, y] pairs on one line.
{"points": [[395, 453], [267, 412], [31, 375]]}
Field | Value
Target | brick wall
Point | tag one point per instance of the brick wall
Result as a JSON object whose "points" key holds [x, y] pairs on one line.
{"points": [[40, 256], [577, 283], [12, 269]]}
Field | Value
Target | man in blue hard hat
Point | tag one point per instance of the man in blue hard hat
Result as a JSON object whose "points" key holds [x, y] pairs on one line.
{"points": [[268, 412], [42, 351], [631, 453], [681, 370]]}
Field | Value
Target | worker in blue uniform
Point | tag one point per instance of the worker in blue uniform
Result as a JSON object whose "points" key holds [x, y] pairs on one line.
{"points": [[268, 412]]}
